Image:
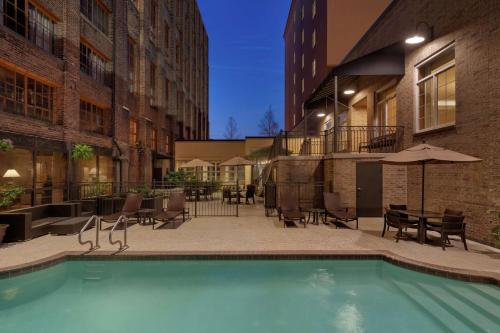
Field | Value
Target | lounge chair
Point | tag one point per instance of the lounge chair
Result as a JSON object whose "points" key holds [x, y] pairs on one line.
{"points": [[333, 209], [393, 218], [289, 208], [130, 208], [250, 193], [452, 223], [175, 207]]}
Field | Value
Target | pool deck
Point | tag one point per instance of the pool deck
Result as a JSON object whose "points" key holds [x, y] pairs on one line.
{"points": [[254, 234]]}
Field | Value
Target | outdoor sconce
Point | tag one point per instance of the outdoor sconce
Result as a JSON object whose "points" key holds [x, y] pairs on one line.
{"points": [[320, 115], [422, 32], [349, 92]]}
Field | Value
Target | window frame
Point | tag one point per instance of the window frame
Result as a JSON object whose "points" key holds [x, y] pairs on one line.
{"points": [[433, 77]]}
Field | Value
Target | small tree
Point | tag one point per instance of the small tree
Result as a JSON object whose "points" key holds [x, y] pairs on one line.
{"points": [[231, 129], [267, 125]]}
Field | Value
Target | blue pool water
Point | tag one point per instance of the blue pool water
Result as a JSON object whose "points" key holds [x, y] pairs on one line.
{"points": [[290, 296]]}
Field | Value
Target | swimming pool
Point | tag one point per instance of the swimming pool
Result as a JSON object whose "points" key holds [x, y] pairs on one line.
{"points": [[243, 296]]}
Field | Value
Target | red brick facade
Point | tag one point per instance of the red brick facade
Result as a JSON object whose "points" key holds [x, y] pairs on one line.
{"points": [[181, 64]]}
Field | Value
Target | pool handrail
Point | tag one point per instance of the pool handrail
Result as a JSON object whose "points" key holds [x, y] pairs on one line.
{"points": [[123, 245], [84, 228]]}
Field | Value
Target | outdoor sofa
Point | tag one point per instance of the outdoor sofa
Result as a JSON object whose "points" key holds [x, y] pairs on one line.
{"points": [[27, 223]]}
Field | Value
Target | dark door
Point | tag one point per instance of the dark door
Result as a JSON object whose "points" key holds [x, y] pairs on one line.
{"points": [[157, 174], [368, 189]]}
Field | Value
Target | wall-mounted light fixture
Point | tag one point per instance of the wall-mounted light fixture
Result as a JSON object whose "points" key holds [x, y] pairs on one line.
{"points": [[349, 92], [320, 115], [423, 31]]}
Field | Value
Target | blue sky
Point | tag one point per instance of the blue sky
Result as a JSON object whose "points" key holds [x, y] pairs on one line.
{"points": [[246, 59]]}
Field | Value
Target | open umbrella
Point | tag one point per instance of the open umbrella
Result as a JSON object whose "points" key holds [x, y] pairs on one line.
{"points": [[237, 161], [423, 154], [196, 163]]}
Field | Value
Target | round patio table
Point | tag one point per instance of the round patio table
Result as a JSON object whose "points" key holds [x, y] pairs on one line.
{"points": [[316, 214]]}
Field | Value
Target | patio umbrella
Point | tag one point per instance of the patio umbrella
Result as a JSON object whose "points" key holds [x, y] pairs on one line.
{"points": [[196, 163], [237, 161], [423, 154]]}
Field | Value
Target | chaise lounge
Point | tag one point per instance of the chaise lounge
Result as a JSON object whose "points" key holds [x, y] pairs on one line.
{"points": [[341, 215]]}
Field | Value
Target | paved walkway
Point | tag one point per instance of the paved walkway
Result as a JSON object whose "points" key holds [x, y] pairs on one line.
{"points": [[253, 232]]}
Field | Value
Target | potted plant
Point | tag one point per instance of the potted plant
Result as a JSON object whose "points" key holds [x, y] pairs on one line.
{"points": [[6, 145], [82, 151], [9, 194], [150, 199]]}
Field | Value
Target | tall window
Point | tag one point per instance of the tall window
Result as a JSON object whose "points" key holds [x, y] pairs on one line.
{"points": [[313, 38], [40, 29], [152, 84], [25, 96], [167, 141], [132, 131], [314, 68], [302, 85], [303, 36], [154, 139], [14, 15], [91, 118], [303, 60], [313, 9], [92, 64], [386, 107], [131, 65], [95, 11], [436, 103]]}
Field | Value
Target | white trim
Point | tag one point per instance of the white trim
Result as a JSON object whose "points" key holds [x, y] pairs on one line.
{"points": [[435, 54]]}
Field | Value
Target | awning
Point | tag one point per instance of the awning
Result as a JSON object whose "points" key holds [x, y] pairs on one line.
{"points": [[387, 61]]}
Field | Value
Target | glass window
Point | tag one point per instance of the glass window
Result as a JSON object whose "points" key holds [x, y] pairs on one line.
{"points": [[91, 118], [131, 65], [96, 13], [92, 64], [25, 96], [386, 108], [314, 38], [50, 177], [314, 68], [313, 9], [132, 131], [14, 15], [154, 139], [41, 29], [436, 104]]}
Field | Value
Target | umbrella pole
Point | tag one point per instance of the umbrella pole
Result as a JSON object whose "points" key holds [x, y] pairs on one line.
{"points": [[423, 187]]}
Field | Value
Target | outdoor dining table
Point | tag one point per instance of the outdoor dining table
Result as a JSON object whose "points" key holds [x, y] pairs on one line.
{"points": [[422, 216]]}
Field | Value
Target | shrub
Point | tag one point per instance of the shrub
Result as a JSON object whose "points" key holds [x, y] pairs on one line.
{"points": [[9, 195]]}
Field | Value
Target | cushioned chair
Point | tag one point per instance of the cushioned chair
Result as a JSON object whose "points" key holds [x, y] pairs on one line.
{"points": [[395, 219], [450, 225]]}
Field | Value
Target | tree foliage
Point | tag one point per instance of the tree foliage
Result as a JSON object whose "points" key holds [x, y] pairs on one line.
{"points": [[267, 125], [231, 129]]}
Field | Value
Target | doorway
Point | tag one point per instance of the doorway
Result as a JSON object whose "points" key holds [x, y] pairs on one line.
{"points": [[369, 189]]}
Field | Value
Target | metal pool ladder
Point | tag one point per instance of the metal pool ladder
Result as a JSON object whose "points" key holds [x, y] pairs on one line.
{"points": [[123, 245], [97, 227]]}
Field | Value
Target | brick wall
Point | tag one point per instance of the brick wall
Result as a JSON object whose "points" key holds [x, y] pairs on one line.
{"points": [[474, 27]]}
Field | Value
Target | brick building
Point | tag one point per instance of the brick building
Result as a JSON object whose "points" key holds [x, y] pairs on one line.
{"points": [[440, 89], [318, 34], [126, 77]]}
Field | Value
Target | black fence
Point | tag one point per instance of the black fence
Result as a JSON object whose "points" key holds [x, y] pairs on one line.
{"points": [[308, 195]]}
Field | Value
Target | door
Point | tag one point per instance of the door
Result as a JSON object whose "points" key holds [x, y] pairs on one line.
{"points": [[368, 189]]}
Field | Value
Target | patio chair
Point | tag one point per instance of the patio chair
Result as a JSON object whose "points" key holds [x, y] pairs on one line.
{"points": [[176, 206], [130, 208], [250, 193], [395, 219], [289, 208], [450, 225], [333, 209]]}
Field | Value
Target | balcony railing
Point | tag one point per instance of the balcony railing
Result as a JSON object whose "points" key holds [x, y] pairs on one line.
{"points": [[342, 139]]}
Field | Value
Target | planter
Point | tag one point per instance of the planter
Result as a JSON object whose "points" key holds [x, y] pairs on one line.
{"points": [[3, 229], [155, 203]]}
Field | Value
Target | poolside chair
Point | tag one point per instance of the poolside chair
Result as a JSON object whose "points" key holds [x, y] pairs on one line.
{"points": [[130, 208], [289, 208], [393, 218], [250, 193], [451, 224], [333, 209], [176, 206]]}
